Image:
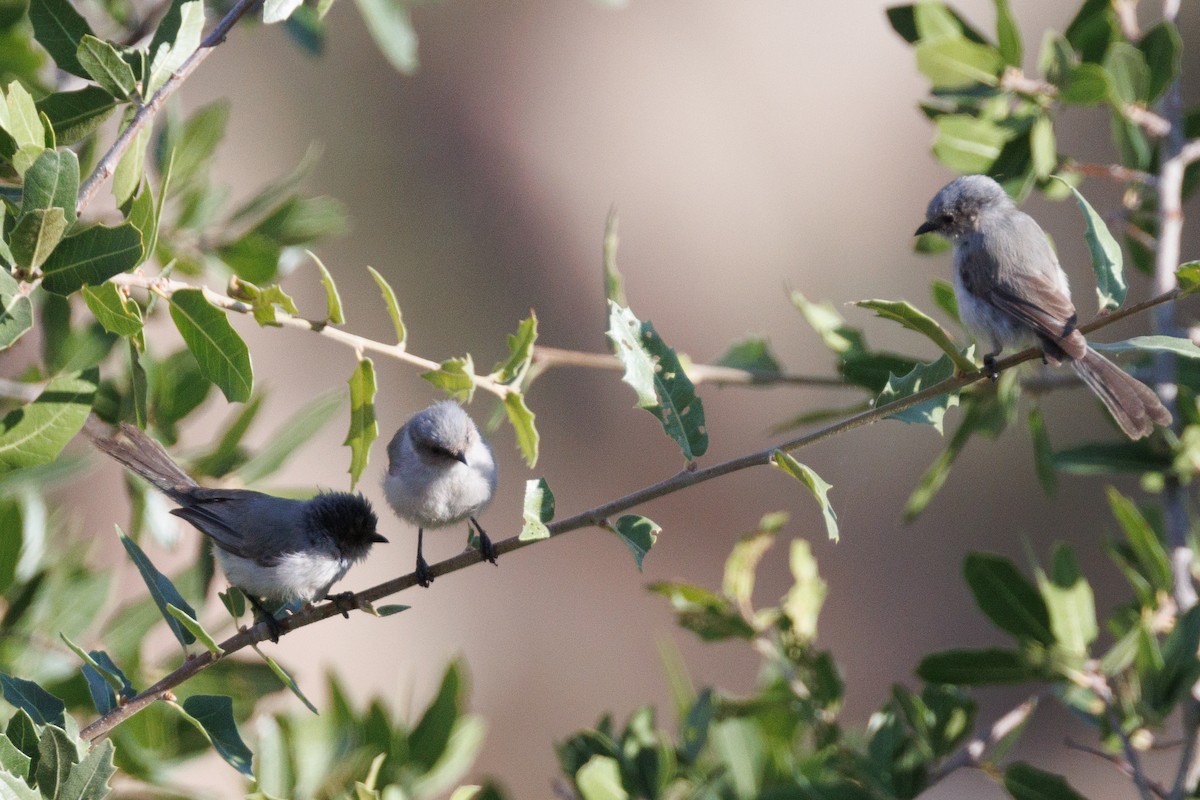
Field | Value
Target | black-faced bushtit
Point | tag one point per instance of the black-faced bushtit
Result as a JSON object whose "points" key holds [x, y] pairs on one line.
{"points": [[270, 547], [1012, 291], [440, 472]]}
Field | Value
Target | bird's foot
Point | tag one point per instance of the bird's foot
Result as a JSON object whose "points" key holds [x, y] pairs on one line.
{"points": [[424, 578], [345, 602], [989, 367], [261, 613], [487, 550]]}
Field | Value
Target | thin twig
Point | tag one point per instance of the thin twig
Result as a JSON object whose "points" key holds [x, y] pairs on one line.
{"points": [[971, 754], [1121, 764], [1115, 172], [595, 517], [108, 162]]}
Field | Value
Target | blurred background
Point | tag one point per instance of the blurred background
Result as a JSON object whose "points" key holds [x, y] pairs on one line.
{"points": [[749, 148]]}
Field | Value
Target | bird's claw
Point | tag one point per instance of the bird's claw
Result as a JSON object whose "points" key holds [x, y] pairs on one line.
{"points": [[345, 602], [422, 570], [989, 367], [487, 550]]}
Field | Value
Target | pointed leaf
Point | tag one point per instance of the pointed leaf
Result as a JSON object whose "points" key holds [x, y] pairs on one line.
{"points": [[287, 680], [36, 432], [35, 236], [91, 257], [390, 25], [915, 320], [106, 67], [221, 354], [161, 589], [213, 715], [364, 428], [42, 707], [1162, 48], [195, 628], [538, 510], [1008, 35], [976, 668], [520, 352], [1151, 344], [1007, 598], [1144, 540], [521, 419], [818, 487], [1107, 261], [56, 755], [88, 780], [12, 760], [333, 300], [393, 307], [52, 182], [113, 310], [455, 376], [639, 535], [932, 411], [59, 28], [1070, 602], [16, 311], [185, 39], [1025, 782]]}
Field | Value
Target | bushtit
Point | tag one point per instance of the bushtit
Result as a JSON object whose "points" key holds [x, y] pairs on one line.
{"points": [[440, 472], [269, 547], [1012, 291]]}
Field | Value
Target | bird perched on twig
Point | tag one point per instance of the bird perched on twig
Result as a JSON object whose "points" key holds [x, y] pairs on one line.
{"points": [[440, 472]]}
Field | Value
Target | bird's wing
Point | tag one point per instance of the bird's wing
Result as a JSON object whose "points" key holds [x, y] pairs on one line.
{"points": [[239, 521], [210, 519]]}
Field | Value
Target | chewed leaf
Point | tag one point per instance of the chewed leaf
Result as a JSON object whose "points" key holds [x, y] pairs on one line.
{"points": [[333, 300], [364, 428], [918, 321], [614, 283], [818, 487], [393, 307], [932, 411], [522, 421], [655, 373], [520, 352], [1107, 261], [455, 376], [539, 509], [639, 535]]}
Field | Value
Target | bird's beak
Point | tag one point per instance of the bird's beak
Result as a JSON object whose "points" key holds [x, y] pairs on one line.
{"points": [[926, 227], [460, 457], [379, 537]]}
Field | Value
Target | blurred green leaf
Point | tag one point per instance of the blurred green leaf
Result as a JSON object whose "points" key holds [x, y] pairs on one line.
{"points": [[16, 311], [522, 420], [538, 510], [213, 715], [287, 680], [639, 535], [943, 298], [390, 25], [104, 64], [915, 320], [967, 144], [1144, 540], [614, 283], [161, 589], [1009, 600], [1106, 458], [177, 388], [91, 257], [520, 352], [17, 789], [42, 707], [1188, 276], [220, 353], [932, 411], [1042, 148], [192, 145], [742, 563], [1008, 35], [455, 376], [803, 602], [976, 668], [389, 299], [333, 300], [1092, 29], [13, 761], [752, 354], [955, 63], [1069, 599], [36, 235], [1087, 85], [131, 169], [431, 735], [1025, 782], [1129, 77], [166, 58], [818, 487], [653, 370], [1107, 261], [76, 115], [1162, 50], [600, 779], [1151, 344], [928, 20], [278, 10], [35, 433], [52, 182], [290, 435], [112, 309], [364, 428], [1043, 454], [60, 28]]}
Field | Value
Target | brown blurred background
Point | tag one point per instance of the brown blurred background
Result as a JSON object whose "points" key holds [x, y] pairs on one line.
{"points": [[749, 147]]}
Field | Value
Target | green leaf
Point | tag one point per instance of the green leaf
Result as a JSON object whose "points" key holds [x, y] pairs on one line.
{"points": [[1007, 598], [390, 25], [818, 487], [742, 564], [16, 311], [1104, 458], [60, 28], [36, 235], [131, 169], [1151, 344], [290, 435], [36, 432], [520, 353], [1148, 549], [1042, 147], [191, 153], [614, 283], [185, 40], [42, 707], [1008, 35], [521, 418], [944, 298], [333, 300], [663, 388], [187, 620], [15, 788], [1107, 262], [161, 589], [1162, 49], [278, 10], [106, 682], [1188, 277], [56, 755], [802, 604], [752, 354], [957, 63], [221, 354], [710, 617], [1070, 602], [600, 779], [364, 428], [1087, 85], [19, 118], [91, 257], [113, 310], [22, 732], [1025, 782], [88, 780], [52, 182], [967, 144], [929, 20], [976, 668], [538, 510], [76, 115], [455, 376], [1093, 28], [915, 320], [263, 300], [106, 67], [389, 298], [1129, 77], [213, 716], [12, 760], [1043, 454], [431, 735], [639, 535], [287, 680], [932, 411]]}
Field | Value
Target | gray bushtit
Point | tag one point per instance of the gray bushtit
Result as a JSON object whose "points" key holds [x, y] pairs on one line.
{"points": [[1012, 291], [270, 547], [440, 471]]}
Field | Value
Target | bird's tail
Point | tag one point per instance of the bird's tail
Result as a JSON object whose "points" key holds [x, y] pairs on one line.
{"points": [[144, 456], [1133, 404]]}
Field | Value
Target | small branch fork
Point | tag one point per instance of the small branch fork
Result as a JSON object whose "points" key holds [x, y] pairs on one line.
{"points": [[595, 517]]}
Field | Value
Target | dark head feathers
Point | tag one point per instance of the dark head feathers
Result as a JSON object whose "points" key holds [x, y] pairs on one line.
{"points": [[348, 518]]}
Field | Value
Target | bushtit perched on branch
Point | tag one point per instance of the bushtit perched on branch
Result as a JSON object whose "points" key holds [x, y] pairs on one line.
{"points": [[270, 547], [1012, 291], [440, 472]]}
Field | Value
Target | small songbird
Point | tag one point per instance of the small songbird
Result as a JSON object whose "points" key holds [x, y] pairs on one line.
{"points": [[1012, 291], [274, 548], [440, 472]]}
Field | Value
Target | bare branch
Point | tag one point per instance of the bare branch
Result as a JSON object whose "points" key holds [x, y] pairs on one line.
{"points": [[971, 754]]}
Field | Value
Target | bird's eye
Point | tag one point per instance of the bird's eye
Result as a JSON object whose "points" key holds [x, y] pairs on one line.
{"points": [[945, 219]]}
